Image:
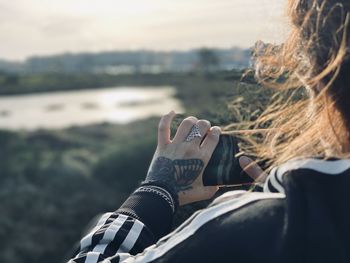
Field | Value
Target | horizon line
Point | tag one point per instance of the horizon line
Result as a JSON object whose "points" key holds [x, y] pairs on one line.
{"points": [[94, 52]]}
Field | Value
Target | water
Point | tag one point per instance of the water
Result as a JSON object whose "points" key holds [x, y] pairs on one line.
{"points": [[64, 109]]}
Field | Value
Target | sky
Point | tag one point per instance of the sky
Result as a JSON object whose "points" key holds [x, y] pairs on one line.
{"points": [[42, 27]]}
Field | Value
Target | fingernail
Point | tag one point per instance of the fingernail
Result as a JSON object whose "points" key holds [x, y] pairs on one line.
{"points": [[216, 131], [172, 112], [245, 161]]}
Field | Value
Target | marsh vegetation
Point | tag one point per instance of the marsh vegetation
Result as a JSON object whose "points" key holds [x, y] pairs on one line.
{"points": [[52, 182]]}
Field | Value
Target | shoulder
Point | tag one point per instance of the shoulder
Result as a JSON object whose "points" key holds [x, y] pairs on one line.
{"points": [[227, 229], [254, 219], [281, 175], [251, 214]]}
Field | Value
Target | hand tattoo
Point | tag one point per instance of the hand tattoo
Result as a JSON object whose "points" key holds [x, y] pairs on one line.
{"points": [[178, 173]]}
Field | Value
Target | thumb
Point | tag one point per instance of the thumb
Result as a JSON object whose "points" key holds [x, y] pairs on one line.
{"points": [[252, 169]]}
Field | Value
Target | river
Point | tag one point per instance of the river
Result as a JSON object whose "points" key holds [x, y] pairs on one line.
{"points": [[57, 110]]}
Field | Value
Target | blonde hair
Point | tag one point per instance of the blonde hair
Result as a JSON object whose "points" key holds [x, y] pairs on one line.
{"points": [[309, 114]]}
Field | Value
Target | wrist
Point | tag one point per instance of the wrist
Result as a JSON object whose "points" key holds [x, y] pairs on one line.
{"points": [[165, 190], [161, 192]]}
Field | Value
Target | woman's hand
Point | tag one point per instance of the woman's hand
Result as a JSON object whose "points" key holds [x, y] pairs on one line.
{"points": [[252, 169], [180, 163]]}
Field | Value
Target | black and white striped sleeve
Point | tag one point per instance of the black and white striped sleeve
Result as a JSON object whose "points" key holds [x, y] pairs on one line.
{"points": [[119, 237], [130, 229]]}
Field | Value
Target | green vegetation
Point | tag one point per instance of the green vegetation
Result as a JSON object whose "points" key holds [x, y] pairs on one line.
{"points": [[52, 183]]}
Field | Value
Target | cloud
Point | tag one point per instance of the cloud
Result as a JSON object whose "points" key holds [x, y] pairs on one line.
{"points": [[31, 27], [8, 13], [64, 26]]}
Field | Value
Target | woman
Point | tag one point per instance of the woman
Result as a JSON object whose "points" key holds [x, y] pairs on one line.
{"points": [[302, 215]]}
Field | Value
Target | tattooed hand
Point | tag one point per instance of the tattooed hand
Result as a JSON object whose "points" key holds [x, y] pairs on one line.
{"points": [[180, 163]]}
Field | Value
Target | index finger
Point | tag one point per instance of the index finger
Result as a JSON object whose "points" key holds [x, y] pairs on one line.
{"points": [[164, 128]]}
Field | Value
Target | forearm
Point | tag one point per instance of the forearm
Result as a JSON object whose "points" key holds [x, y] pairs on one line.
{"points": [[154, 205], [144, 217], [175, 174]]}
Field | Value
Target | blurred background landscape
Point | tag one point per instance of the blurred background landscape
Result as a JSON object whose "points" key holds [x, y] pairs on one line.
{"points": [[82, 86]]}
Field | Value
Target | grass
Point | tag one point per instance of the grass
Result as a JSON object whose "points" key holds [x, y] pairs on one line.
{"points": [[54, 181]]}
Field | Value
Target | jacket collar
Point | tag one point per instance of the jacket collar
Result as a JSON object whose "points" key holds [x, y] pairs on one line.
{"points": [[274, 181]]}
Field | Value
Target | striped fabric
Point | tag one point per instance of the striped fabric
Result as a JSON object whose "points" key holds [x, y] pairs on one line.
{"points": [[115, 236], [274, 182], [112, 241]]}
